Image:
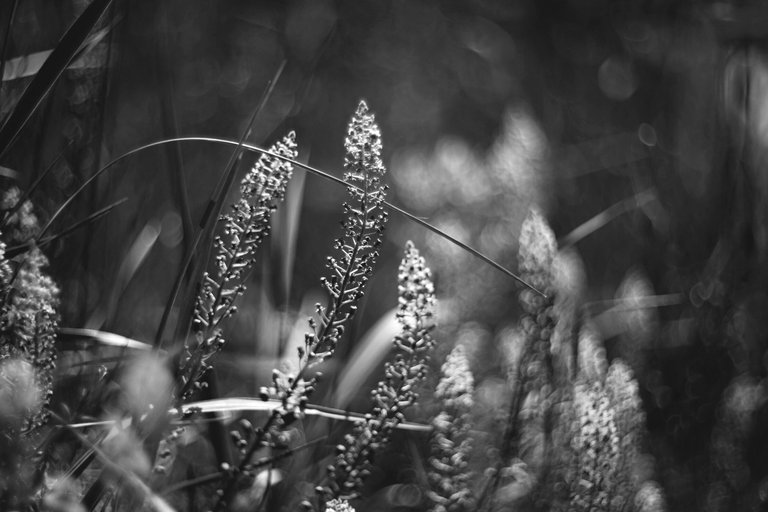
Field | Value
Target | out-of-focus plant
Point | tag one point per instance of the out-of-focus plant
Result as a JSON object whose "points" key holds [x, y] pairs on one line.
{"points": [[30, 301], [28, 328], [338, 506], [451, 443]]}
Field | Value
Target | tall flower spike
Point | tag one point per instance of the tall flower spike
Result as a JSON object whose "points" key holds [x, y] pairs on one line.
{"points": [[451, 446], [359, 246], [396, 392], [244, 228], [353, 265]]}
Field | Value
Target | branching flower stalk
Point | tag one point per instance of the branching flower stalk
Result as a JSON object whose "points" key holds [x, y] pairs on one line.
{"points": [[397, 391], [451, 444], [245, 227], [358, 248]]}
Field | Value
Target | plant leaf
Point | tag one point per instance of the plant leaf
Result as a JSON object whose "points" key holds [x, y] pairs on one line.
{"points": [[72, 334], [256, 404]]}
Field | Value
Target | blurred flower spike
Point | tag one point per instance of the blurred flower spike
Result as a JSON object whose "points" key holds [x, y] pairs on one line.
{"points": [[450, 444], [536, 255]]}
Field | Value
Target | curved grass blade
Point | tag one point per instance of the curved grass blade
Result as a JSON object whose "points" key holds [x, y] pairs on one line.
{"points": [[309, 169], [246, 404], [257, 404], [601, 219], [49, 73]]}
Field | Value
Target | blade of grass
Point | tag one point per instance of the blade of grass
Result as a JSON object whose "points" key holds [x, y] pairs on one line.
{"points": [[367, 355], [131, 263], [49, 73], [99, 337], [256, 404], [311, 170], [635, 303], [606, 216]]}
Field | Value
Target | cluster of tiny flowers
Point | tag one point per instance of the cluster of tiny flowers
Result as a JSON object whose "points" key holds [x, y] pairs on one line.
{"points": [[339, 506], [30, 324], [602, 441], [350, 269], [448, 472], [23, 223], [597, 449], [630, 417], [30, 299], [536, 255], [245, 227], [397, 391], [359, 246]]}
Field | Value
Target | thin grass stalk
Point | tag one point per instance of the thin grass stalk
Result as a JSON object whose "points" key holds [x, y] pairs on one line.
{"points": [[312, 170]]}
